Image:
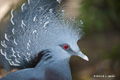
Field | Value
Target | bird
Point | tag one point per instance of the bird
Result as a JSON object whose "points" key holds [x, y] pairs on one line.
{"points": [[41, 40]]}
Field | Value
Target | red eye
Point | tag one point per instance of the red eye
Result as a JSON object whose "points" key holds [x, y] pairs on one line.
{"points": [[65, 46]]}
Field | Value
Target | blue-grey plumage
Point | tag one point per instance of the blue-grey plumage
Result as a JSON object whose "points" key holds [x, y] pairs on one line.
{"points": [[46, 69], [40, 36]]}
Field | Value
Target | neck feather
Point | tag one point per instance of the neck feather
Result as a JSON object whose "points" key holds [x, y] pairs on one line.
{"points": [[55, 69]]}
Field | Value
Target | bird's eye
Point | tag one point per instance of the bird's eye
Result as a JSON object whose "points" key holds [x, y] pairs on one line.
{"points": [[65, 47]]}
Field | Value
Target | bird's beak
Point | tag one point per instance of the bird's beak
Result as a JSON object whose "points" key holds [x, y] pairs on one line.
{"points": [[83, 56]]}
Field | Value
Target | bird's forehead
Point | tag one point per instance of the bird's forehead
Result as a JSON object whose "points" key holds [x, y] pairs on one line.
{"points": [[73, 45], [71, 41]]}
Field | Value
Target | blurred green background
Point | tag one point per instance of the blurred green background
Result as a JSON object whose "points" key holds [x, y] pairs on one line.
{"points": [[101, 42]]}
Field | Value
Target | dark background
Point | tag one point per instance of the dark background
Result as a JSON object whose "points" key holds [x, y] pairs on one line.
{"points": [[101, 42]]}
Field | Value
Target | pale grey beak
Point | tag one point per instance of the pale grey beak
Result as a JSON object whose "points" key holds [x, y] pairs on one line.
{"points": [[83, 56]]}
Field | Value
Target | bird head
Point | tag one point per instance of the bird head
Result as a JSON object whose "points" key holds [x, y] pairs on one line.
{"points": [[65, 51], [63, 39], [31, 33]]}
